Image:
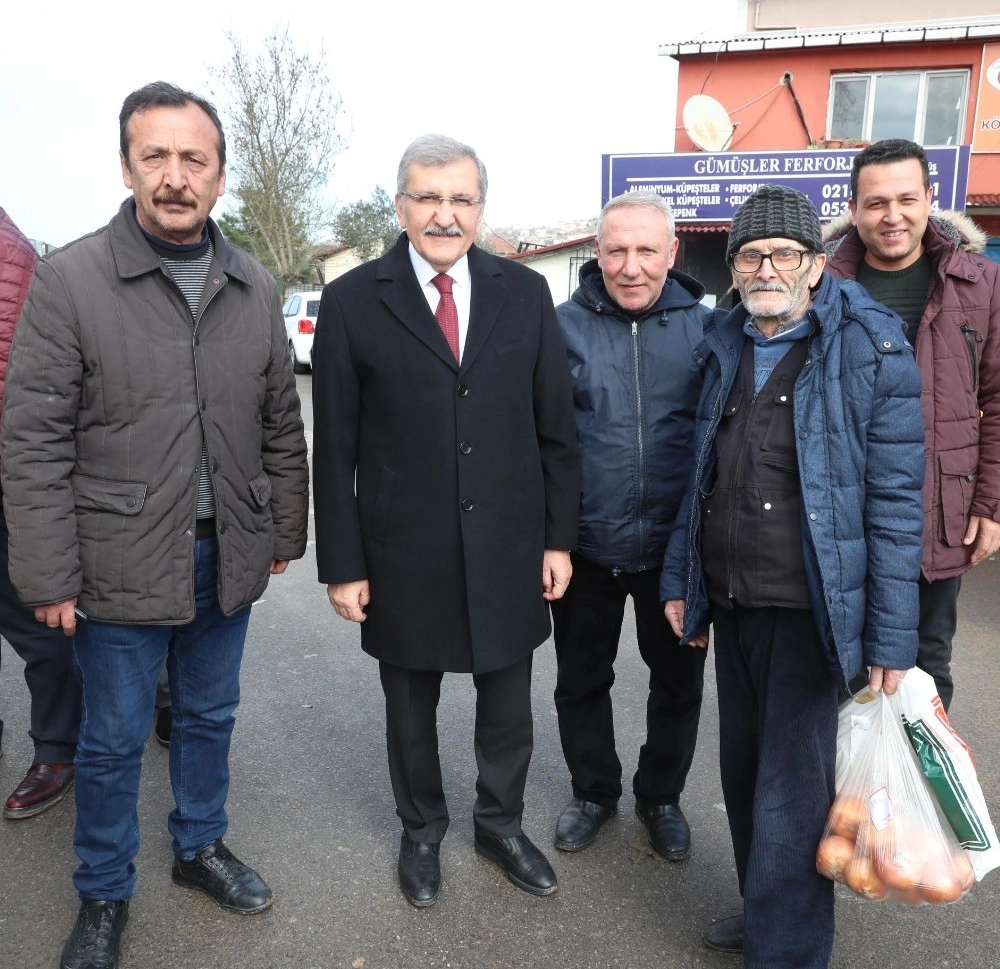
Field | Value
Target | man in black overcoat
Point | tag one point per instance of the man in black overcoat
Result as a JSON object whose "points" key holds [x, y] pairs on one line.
{"points": [[446, 496]]}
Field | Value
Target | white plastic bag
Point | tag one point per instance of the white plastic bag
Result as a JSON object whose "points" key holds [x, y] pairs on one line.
{"points": [[949, 768], [885, 836]]}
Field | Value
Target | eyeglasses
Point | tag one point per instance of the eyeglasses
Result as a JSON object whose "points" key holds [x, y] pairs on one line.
{"points": [[432, 201], [750, 260]]}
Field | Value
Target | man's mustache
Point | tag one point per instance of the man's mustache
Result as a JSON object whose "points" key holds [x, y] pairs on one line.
{"points": [[437, 230], [767, 288], [172, 198]]}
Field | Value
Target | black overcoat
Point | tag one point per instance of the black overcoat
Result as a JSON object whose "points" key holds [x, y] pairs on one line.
{"points": [[443, 484]]}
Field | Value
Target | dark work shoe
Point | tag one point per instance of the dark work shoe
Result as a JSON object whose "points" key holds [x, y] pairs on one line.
{"points": [[726, 935], [162, 725], [669, 834], [217, 872], [43, 786], [579, 823], [525, 865], [96, 936], [419, 872]]}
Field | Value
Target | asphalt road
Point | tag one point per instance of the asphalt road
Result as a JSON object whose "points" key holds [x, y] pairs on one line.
{"points": [[311, 808]]}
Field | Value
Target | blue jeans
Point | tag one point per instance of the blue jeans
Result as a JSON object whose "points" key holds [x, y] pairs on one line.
{"points": [[119, 666]]}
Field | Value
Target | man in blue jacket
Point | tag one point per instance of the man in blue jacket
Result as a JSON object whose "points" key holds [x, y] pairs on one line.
{"points": [[800, 541], [631, 329]]}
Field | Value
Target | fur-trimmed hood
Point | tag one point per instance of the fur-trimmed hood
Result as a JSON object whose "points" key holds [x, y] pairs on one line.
{"points": [[956, 226]]}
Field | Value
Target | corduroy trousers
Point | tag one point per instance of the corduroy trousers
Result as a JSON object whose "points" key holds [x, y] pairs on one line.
{"points": [[778, 704]]}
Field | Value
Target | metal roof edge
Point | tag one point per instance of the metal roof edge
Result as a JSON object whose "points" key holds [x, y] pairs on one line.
{"points": [[900, 34]]}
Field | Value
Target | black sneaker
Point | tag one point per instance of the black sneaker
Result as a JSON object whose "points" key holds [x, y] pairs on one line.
{"points": [[217, 872], [96, 936]]}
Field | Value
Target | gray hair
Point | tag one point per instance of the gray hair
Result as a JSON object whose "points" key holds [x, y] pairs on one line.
{"points": [[645, 200], [435, 151]]}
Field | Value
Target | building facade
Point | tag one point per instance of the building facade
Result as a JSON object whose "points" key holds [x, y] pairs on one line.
{"points": [[824, 76]]}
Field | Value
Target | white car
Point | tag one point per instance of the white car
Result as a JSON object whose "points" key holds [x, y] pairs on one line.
{"points": [[300, 312]]}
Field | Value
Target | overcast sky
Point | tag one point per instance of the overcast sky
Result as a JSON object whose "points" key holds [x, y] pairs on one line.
{"points": [[541, 89]]}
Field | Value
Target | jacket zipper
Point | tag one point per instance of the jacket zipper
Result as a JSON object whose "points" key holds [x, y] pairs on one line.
{"points": [[197, 385], [694, 525], [972, 337], [641, 451]]}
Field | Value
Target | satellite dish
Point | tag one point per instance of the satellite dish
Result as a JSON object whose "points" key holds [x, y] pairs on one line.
{"points": [[707, 123]]}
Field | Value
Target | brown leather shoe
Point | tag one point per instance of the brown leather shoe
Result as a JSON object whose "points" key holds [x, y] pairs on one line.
{"points": [[43, 786]]}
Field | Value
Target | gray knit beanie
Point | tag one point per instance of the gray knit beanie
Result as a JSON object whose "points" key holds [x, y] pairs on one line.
{"points": [[775, 212]]}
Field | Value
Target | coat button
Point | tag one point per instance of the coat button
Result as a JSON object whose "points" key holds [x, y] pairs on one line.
{"points": [[813, 516], [803, 434], [886, 345], [463, 391], [970, 477], [221, 528], [130, 502], [465, 447], [468, 504]]}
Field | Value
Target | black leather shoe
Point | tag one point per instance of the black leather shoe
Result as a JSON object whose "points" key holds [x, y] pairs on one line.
{"points": [[669, 834], [525, 865], [96, 936], [217, 872], [726, 935], [579, 823], [419, 872]]}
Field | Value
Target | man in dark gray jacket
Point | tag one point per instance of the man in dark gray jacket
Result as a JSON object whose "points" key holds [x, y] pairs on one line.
{"points": [[154, 474], [631, 330]]}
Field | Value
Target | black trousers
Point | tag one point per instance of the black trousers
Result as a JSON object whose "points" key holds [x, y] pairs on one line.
{"points": [[48, 670], [938, 622], [587, 623], [778, 702], [503, 740]]}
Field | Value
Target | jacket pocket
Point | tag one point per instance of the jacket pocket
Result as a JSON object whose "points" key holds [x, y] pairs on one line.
{"points": [[958, 488], [260, 490], [972, 337], [779, 436], [518, 343], [106, 494]]}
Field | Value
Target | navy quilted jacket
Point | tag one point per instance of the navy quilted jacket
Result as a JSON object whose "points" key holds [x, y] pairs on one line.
{"points": [[635, 387], [859, 437]]}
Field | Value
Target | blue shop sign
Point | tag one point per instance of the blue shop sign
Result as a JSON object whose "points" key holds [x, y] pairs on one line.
{"points": [[706, 186]]}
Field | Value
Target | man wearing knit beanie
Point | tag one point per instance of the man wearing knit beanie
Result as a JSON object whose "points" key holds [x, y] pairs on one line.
{"points": [[803, 512]]}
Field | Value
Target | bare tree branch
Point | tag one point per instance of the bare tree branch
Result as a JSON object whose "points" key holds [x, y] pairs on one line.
{"points": [[282, 120]]}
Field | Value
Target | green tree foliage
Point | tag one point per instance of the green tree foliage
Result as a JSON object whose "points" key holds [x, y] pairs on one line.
{"points": [[282, 132], [232, 228], [369, 226]]}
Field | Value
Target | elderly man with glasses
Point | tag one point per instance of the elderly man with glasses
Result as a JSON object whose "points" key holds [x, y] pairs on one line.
{"points": [[447, 492], [800, 542]]}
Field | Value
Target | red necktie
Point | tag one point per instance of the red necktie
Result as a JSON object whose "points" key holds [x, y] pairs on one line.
{"points": [[447, 312]]}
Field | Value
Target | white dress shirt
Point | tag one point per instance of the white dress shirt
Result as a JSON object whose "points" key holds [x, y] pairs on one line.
{"points": [[461, 290]]}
